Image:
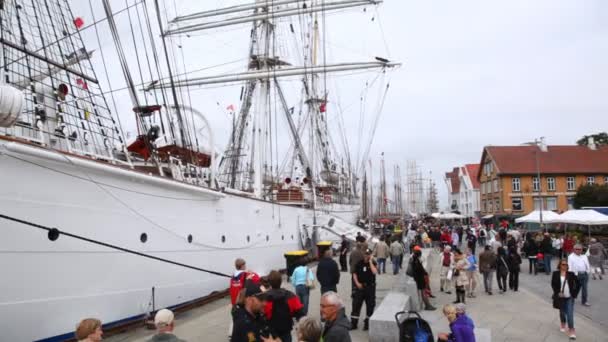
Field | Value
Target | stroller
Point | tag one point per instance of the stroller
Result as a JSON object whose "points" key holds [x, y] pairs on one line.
{"points": [[413, 329], [540, 263]]}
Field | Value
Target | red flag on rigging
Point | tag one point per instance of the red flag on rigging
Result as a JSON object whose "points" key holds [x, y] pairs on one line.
{"points": [[323, 107], [78, 22], [82, 83], [230, 108]]}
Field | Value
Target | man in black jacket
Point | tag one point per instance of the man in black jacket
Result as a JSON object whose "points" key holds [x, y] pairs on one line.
{"points": [[546, 247], [344, 247], [328, 273]]}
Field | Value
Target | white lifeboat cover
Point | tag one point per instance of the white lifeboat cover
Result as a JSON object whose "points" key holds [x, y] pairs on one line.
{"points": [[11, 105]]}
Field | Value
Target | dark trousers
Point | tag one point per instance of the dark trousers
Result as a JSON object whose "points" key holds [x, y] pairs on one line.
{"points": [[502, 280], [343, 266], [532, 262], [514, 280], [368, 295], [460, 294], [547, 263], [381, 265], [472, 247], [583, 279], [304, 294]]}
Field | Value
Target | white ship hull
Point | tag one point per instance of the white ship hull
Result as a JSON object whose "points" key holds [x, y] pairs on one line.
{"points": [[57, 283]]}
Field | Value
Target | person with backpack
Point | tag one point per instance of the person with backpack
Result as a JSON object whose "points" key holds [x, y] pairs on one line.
{"points": [[396, 250], [471, 240], [237, 282], [328, 273], [301, 279], [364, 278], [282, 306]]}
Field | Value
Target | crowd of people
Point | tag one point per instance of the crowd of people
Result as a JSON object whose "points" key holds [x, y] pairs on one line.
{"points": [[262, 310]]}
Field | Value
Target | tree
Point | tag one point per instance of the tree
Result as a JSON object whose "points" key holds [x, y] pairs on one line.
{"points": [[599, 139], [591, 196], [432, 202]]}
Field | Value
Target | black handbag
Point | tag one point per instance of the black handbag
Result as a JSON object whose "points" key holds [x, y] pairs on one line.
{"points": [[558, 302]]}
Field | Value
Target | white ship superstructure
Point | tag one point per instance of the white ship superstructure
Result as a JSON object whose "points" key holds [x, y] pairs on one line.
{"points": [[66, 164]]}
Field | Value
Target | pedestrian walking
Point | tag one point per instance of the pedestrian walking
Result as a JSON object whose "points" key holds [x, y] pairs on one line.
{"points": [[557, 246], [530, 248], [337, 326], [165, 323], [396, 251], [309, 330], [546, 247], [365, 291], [460, 276], [455, 239], [502, 270], [281, 308], [579, 265], [421, 277], [472, 273], [568, 245], [487, 265], [381, 253], [446, 238], [565, 287], [302, 279], [328, 273], [356, 255], [237, 282], [446, 273], [89, 330], [597, 255], [482, 236], [461, 326], [344, 248], [471, 240], [514, 262]]}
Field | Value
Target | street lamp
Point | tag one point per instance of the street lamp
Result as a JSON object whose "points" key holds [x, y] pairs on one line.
{"points": [[537, 143]]}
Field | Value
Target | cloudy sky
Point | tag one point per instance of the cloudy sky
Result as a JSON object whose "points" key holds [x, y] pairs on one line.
{"points": [[474, 73]]}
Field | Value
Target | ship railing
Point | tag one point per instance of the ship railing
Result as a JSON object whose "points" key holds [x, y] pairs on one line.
{"points": [[88, 145]]}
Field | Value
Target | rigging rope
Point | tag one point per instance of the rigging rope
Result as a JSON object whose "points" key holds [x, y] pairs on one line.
{"points": [[54, 233]]}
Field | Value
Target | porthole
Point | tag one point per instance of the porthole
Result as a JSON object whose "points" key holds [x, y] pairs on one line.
{"points": [[282, 237], [267, 238], [292, 236], [53, 234], [223, 238], [190, 238], [143, 237], [248, 238]]}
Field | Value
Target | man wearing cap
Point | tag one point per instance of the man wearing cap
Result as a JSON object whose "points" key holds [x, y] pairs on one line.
{"points": [[364, 278], [249, 323], [164, 322]]}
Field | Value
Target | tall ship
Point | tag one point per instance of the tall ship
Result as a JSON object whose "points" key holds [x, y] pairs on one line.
{"points": [[96, 222]]}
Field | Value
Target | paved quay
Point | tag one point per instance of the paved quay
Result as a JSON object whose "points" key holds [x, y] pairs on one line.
{"points": [[526, 315], [210, 322]]}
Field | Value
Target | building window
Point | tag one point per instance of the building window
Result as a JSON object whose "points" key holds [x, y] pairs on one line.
{"points": [[483, 190], [490, 206], [516, 204], [571, 183], [605, 180], [535, 184], [551, 183], [551, 203], [537, 203], [516, 186], [590, 180], [570, 203], [497, 205], [495, 185]]}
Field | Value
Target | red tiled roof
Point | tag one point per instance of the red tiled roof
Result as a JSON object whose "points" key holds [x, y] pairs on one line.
{"points": [[454, 180], [473, 170], [557, 160]]}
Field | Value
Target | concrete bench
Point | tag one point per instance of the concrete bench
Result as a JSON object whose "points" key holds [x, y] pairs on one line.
{"points": [[483, 335], [382, 324]]}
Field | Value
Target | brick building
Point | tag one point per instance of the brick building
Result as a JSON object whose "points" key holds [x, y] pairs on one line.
{"points": [[508, 176]]}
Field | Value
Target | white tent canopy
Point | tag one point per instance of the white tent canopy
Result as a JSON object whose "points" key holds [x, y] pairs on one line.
{"points": [[447, 216], [534, 217], [588, 217]]}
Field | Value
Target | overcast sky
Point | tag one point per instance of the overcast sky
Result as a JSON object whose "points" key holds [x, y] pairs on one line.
{"points": [[474, 73]]}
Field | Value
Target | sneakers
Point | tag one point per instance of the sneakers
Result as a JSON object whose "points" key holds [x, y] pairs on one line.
{"points": [[572, 335], [562, 328], [586, 304]]}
